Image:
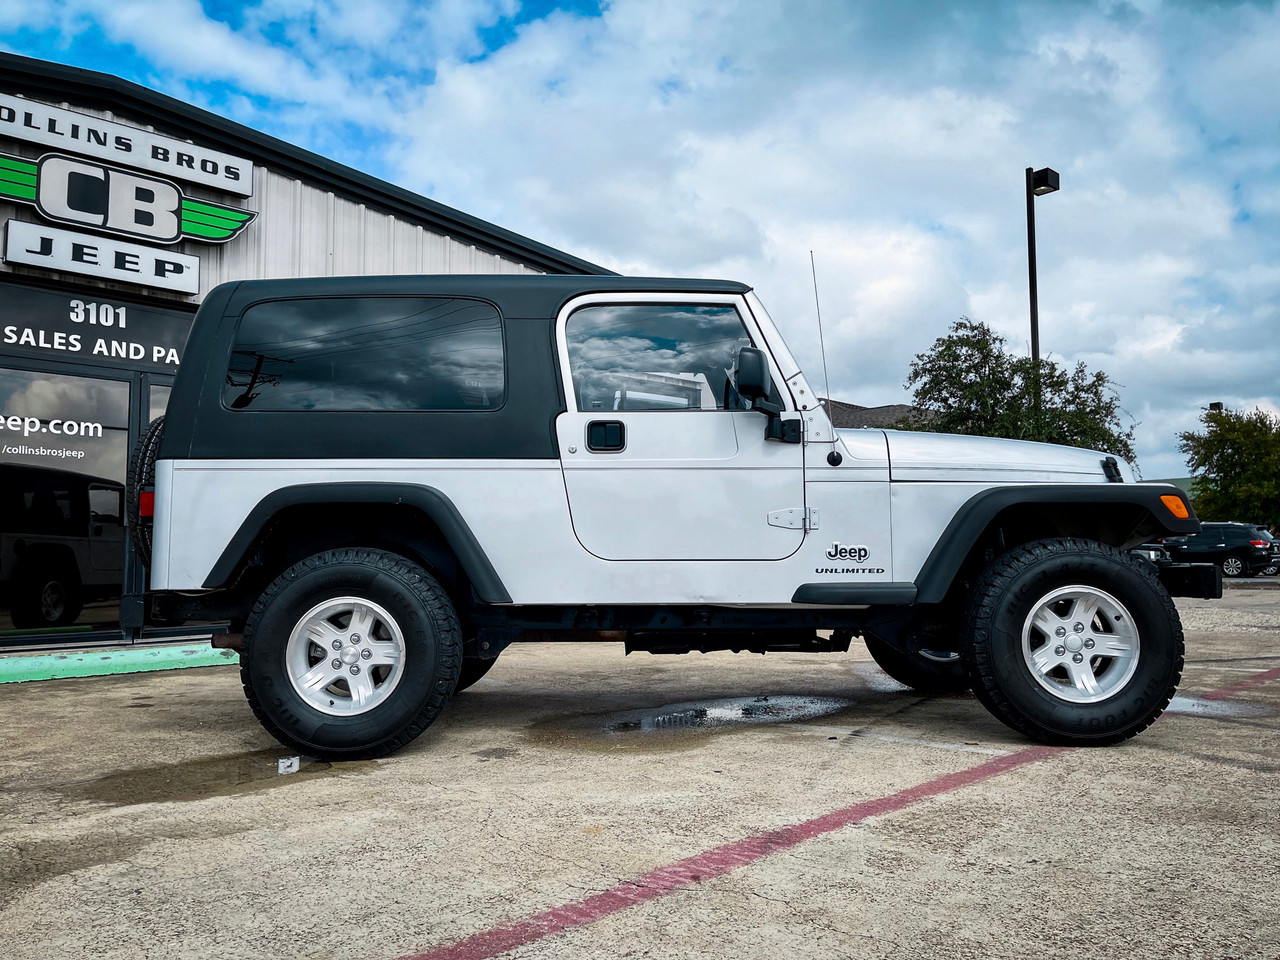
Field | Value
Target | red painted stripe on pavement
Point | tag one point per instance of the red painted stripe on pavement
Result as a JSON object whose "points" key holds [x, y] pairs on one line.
{"points": [[1225, 693], [714, 863]]}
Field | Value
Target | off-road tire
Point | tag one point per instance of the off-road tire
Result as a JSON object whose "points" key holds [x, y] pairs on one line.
{"points": [[432, 654], [142, 473], [1014, 586], [919, 671], [473, 671]]}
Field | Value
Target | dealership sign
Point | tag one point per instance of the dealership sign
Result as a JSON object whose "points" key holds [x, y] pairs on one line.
{"points": [[117, 200], [88, 136], [39, 246]]}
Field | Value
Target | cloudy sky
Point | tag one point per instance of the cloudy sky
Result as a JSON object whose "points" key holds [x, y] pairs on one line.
{"points": [[729, 139]]}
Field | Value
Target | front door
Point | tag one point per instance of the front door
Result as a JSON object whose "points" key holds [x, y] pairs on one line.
{"points": [[660, 461]]}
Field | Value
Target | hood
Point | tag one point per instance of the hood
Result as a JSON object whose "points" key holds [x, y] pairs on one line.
{"points": [[945, 456]]}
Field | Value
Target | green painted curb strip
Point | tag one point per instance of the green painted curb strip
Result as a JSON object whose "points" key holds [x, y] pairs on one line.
{"points": [[101, 663]]}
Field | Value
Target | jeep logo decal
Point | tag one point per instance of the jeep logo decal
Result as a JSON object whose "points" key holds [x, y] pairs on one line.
{"points": [[69, 190], [857, 553]]}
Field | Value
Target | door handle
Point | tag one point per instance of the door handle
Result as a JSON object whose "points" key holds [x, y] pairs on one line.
{"points": [[606, 436]]}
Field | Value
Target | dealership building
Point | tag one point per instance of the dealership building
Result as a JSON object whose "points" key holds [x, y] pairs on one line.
{"points": [[122, 208]]}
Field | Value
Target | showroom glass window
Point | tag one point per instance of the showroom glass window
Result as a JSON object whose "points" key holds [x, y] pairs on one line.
{"points": [[367, 353], [653, 356], [63, 452]]}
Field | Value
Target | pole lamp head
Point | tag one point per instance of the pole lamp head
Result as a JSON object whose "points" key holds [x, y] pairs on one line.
{"points": [[1044, 181]]}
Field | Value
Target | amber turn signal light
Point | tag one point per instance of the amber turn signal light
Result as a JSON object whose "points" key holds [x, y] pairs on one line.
{"points": [[1175, 505]]}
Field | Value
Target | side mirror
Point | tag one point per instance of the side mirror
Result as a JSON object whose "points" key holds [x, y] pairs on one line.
{"points": [[753, 380]]}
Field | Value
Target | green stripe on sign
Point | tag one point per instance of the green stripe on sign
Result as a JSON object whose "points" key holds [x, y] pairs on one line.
{"points": [[100, 663], [17, 191], [19, 165], [18, 176], [209, 220], [190, 206], [192, 229]]}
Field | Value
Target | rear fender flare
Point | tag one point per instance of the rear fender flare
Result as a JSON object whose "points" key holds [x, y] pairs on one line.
{"points": [[484, 579]]}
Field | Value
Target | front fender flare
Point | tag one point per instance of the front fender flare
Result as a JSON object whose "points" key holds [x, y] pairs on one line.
{"points": [[977, 513]]}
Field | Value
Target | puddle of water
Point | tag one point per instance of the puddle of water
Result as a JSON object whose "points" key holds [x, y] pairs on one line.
{"points": [[200, 779], [1198, 707], [709, 714], [677, 726]]}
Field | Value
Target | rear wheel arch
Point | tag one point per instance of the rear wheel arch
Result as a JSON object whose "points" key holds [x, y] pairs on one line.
{"points": [[417, 522]]}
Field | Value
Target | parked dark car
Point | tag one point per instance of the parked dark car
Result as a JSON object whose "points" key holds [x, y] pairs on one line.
{"points": [[1272, 568], [1239, 549]]}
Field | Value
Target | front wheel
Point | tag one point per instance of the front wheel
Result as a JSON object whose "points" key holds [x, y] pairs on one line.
{"points": [[1232, 567], [350, 654], [1073, 642]]}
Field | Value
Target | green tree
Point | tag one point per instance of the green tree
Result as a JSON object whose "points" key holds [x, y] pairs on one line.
{"points": [[967, 382], [1235, 466]]}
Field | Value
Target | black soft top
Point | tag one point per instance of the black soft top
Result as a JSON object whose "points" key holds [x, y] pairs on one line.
{"points": [[516, 296], [200, 426]]}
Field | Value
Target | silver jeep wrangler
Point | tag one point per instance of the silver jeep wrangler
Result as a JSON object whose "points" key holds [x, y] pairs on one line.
{"points": [[382, 482]]}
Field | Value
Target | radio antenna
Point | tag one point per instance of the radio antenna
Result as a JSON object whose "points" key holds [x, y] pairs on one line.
{"points": [[826, 380]]}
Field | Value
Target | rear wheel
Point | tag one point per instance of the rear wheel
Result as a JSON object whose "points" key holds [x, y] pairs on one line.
{"points": [[350, 654], [1073, 642], [937, 672]]}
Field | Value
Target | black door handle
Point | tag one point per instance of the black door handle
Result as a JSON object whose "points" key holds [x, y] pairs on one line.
{"points": [[606, 436]]}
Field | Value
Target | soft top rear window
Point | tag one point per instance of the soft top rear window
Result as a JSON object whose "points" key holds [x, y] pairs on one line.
{"points": [[367, 353]]}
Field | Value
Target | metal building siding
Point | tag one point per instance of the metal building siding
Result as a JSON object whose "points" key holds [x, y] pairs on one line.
{"points": [[300, 230]]}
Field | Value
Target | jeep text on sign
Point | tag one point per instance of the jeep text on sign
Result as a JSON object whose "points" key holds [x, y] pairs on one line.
{"points": [[52, 249], [89, 136]]}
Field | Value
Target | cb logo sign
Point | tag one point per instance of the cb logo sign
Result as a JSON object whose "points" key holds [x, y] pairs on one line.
{"points": [[70, 190]]}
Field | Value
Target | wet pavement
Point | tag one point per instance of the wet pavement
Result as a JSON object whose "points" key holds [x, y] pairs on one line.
{"points": [[686, 807]]}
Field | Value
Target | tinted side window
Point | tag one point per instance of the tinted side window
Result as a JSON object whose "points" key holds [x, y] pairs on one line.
{"points": [[653, 356], [367, 353]]}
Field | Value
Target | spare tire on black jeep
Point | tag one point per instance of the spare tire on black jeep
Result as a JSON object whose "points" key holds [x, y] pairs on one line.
{"points": [[142, 478]]}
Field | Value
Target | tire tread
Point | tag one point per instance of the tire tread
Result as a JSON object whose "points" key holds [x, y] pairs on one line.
{"points": [[982, 609], [444, 621]]}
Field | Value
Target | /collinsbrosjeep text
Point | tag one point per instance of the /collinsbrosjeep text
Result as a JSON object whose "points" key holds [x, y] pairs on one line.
{"points": [[383, 482]]}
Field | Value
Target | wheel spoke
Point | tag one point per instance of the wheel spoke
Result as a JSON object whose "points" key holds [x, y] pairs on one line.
{"points": [[322, 633], [1045, 659], [1082, 678], [384, 654], [318, 677], [362, 621], [362, 689], [1047, 622], [1084, 610], [1113, 645]]}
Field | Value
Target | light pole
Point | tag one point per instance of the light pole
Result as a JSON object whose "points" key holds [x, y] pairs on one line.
{"points": [[1039, 182]]}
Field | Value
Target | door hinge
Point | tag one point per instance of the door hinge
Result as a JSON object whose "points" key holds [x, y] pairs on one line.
{"points": [[797, 518]]}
